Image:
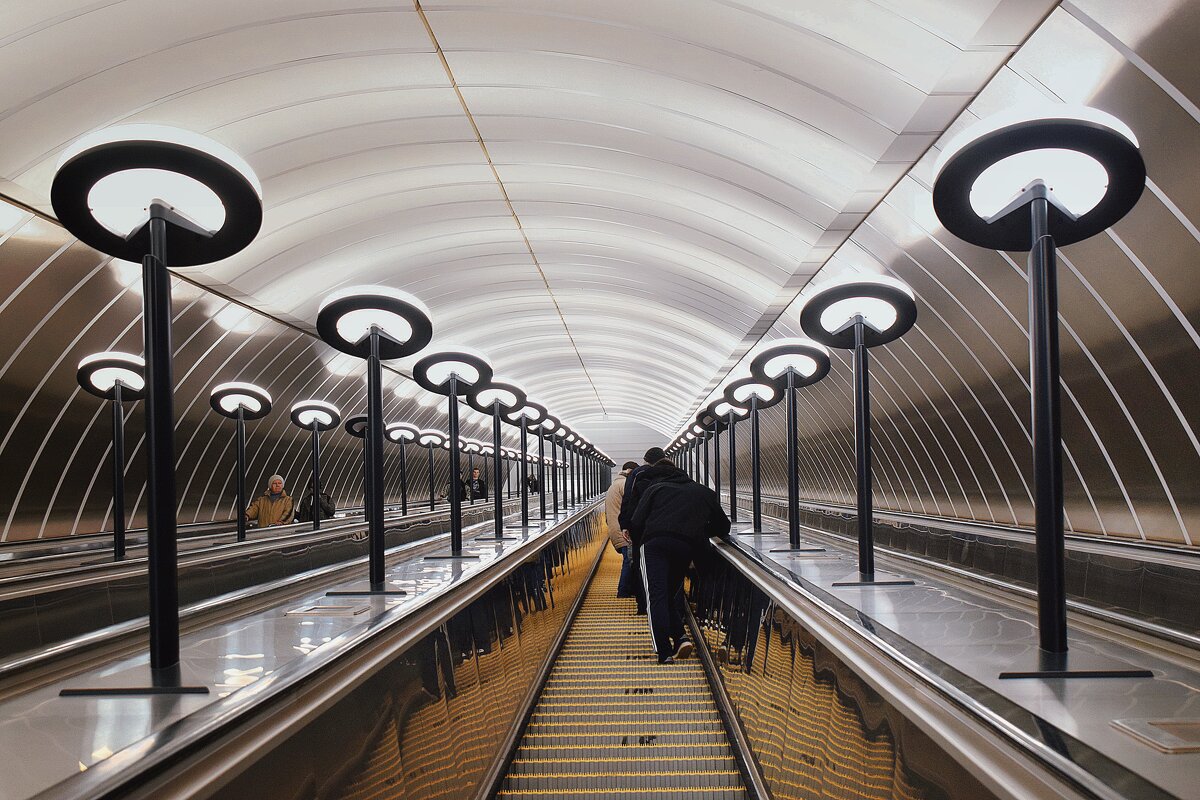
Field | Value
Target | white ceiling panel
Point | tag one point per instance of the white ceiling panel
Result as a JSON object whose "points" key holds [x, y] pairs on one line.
{"points": [[613, 199]]}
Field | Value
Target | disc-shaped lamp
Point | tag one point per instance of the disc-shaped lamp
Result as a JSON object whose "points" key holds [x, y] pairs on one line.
{"points": [[858, 312], [791, 364], [120, 378], [1030, 182], [375, 323]]}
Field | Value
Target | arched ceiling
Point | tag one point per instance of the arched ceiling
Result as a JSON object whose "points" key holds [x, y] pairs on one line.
{"points": [[613, 199]]}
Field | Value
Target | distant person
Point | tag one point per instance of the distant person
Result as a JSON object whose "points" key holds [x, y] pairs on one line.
{"points": [[533, 484], [629, 584], [674, 520], [304, 511], [272, 507], [476, 486]]}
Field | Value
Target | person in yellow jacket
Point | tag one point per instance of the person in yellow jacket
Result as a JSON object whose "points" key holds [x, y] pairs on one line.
{"points": [[272, 507]]}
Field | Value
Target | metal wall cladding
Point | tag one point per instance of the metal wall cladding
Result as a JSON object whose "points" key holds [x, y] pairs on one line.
{"points": [[430, 723], [950, 400], [63, 301], [816, 729]]}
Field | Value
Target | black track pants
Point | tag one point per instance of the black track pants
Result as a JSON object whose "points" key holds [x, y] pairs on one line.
{"points": [[664, 563]]}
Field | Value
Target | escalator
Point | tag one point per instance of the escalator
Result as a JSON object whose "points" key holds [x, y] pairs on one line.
{"points": [[611, 722]]}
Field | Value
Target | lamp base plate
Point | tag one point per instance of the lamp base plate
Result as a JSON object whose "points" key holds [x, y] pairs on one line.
{"points": [[1041, 664], [366, 593], [451, 556], [131, 691], [493, 538], [875, 579], [803, 548]]}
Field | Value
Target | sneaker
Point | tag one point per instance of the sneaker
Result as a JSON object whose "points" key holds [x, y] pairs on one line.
{"points": [[684, 649], [666, 660]]}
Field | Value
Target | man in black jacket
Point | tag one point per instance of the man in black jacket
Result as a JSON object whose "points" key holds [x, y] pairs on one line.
{"points": [[674, 519], [304, 511]]}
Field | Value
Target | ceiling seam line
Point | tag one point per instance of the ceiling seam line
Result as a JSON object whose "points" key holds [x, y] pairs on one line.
{"points": [[462, 101]]}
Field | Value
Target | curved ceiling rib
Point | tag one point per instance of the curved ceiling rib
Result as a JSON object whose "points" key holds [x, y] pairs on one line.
{"points": [[611, 203]]}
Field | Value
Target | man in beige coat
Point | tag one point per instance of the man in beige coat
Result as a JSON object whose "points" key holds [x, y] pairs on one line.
{"points": [[629, 584]]}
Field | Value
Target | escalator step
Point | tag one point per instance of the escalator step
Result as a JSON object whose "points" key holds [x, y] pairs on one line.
{"points": [[613, 723]]}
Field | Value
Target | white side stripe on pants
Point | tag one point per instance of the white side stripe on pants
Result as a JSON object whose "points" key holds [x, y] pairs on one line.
{"points": [[649, 613]]}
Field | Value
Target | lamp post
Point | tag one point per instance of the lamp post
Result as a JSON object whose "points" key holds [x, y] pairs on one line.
{"points": [[713, 425], [374, 323], [118, 377], [754, 395], [452, 372], [1031, 183], [530, 413], [856, 313], [316, 416], [730, 413], [431, 439], [791, 364], [544, 429], [240, 401], [402, 434], [497, 398], [157, 195], [356, 426]]}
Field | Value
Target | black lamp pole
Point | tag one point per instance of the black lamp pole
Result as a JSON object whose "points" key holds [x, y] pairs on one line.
{"points": [[160, 449], [374, 448], [792, 463], [455, 483], [118, 474], [541, 472], [755, 465], [403, 478], [716, 437], [733, 483], [524, 472], [497, 498], [862, 450], [316, 476], [554, 470], [431, 477], [240, 438]]}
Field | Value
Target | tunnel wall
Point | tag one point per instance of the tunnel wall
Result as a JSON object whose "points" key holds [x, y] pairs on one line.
{"points": [[951, 400], [63, 301]]}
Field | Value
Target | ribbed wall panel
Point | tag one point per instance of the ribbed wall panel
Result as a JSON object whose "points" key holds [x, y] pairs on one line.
{"points": [[951, 400], [63, 301]]}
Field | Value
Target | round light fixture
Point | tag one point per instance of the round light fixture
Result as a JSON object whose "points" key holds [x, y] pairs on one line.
{"points": [[326, 416], [99, 373], [809, 361], [357, 425], [227, 398], [431, 438], [347, 317], [470, 368], [885, 304], [107, 180], [401, 432], [1087, 160], [740, 392]]}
